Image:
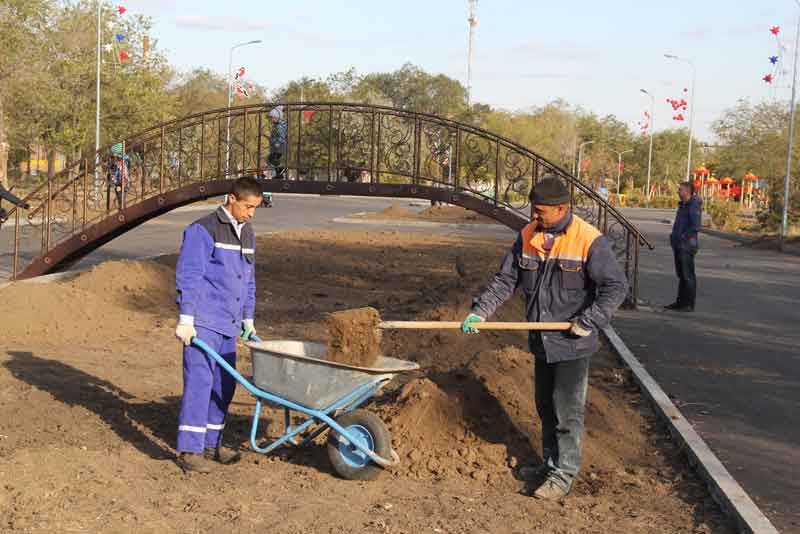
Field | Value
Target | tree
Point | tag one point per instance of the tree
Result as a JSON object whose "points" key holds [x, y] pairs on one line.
{"points": [[23, 24]]}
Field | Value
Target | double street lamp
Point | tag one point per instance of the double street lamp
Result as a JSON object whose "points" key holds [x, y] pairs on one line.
{"points": [[230, 98]]}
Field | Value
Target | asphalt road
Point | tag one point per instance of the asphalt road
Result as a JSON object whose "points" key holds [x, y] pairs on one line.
{"points": [[733, 366]]}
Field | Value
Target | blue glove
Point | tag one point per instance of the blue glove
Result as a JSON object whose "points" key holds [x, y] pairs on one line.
{"points": [[472, 318]]}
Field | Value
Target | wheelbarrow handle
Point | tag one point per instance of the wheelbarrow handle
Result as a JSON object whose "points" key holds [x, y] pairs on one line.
{"points": [[454, 325]]}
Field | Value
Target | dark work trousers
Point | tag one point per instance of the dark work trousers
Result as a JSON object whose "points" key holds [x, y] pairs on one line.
{"points": [[274, 159], [561, 400], [684, 269]]}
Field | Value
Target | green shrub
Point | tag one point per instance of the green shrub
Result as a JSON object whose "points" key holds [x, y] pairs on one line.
{"points": [[724, 215]]}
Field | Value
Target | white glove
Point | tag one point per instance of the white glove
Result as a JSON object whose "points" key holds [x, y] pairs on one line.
{"points": [[185, 332], [578, 330]]}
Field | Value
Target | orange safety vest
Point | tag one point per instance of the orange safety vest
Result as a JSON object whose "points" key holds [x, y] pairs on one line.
{"points": [[570, 249]]}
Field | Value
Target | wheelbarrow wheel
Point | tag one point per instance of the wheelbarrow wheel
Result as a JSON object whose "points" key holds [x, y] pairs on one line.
{"points": [[347, 460]]}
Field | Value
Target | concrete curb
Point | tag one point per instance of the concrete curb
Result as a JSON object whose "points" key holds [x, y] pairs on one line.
{"points": [[728, 494], [422, 224]]}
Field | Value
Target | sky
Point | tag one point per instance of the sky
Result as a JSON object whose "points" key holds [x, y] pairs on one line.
{"points": [[596, 55]]}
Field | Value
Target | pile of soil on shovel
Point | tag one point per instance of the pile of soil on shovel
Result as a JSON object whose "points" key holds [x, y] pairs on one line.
{"points": [[354, 337], [88, 409]]}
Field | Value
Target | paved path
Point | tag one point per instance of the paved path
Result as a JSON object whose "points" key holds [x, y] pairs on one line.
{"points": [[732, 367], [163, 235]]}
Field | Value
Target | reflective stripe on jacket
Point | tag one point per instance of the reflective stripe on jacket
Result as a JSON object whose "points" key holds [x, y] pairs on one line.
{"points": [[215, 274], [580, 279]]}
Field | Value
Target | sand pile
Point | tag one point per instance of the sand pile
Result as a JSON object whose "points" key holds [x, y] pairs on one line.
{"points": [[354, 337]]}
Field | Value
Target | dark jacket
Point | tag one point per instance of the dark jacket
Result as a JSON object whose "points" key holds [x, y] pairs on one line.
{"points": [[687, 223], [5, 194], [215, 274], [580, 280]]}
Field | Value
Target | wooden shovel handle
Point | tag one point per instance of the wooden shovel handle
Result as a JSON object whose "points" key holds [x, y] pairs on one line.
{"points": [[449, 325]]}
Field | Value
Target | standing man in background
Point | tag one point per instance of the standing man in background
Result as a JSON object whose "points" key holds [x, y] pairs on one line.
{"points": [[215, 280], [277, 142], [684, 246], [568, 273]]}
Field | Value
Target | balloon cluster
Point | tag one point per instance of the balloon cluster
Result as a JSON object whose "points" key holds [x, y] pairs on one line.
{"points": [[679, 106]]}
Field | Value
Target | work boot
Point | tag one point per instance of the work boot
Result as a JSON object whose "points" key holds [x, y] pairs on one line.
{"points": [[223, 455], [550, 490], [193, 462], [533, 472], [679, 307]]}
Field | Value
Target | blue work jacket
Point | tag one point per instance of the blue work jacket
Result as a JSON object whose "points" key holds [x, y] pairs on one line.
{"points": [[215, 274]]}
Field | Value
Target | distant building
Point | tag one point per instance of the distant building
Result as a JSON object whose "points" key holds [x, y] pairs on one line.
{"points": [[37, 161]]}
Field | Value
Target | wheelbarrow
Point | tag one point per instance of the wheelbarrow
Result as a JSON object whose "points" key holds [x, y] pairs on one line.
{"points": [[294, 376]]}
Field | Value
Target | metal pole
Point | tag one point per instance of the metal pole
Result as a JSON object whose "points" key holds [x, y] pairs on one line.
{"points": [[650, 151], [230, 97], [786, 192], [97, 109], [580, 156], [619, 168], [691, 110], [473, 21]]}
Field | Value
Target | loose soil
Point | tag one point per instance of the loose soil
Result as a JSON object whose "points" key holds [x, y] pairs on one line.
{"points": [[439, 213], [90, 383], [354, 337]]}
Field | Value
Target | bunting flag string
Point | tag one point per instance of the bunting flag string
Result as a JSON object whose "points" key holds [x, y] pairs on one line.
{"points": [[119, 38], [241, 87], [774, 77]]}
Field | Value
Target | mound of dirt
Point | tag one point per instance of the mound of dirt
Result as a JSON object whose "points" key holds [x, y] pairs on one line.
{"points": [[454, 214], [90, 387], [354, 337], [114, 298], [395, 211]]}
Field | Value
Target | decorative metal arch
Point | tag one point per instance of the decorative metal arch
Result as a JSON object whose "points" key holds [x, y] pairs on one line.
{"points": [[331, 148]]}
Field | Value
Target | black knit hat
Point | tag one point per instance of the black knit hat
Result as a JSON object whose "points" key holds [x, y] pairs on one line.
{"points": [[549, 191]]}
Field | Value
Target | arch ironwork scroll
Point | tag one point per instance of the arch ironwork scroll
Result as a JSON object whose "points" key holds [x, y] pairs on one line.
{"points": [[330, 148]]}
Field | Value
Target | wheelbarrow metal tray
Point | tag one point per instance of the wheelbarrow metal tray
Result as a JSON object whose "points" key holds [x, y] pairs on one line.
{"points": [[298, 372]]}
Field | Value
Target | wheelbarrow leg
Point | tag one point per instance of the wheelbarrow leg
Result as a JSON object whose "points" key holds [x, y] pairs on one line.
{"points": [[287, 425]]}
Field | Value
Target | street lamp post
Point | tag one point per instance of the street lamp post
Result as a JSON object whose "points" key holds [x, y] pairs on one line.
{"points": [[786, 191], [580, 156], [691, 110], [651, 124], [619, 168], [230, 98]]}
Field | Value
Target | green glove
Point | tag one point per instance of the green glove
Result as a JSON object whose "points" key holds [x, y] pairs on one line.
{"points": [[247, 329], [467, 327]]}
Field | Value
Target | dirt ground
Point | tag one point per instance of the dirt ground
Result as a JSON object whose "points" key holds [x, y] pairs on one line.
{"points": [[439, 213], [90, 379]]}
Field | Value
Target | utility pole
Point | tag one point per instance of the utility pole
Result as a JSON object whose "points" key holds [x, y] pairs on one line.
{"points": [[473, 22], [786, 189], [650, 125], [691, 109], [97, 109]]}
